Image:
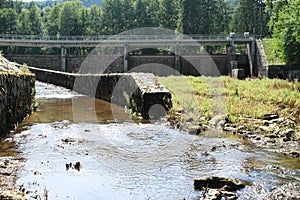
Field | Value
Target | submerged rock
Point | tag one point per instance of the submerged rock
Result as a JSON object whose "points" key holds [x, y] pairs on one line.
{"points": [[218, 182]]}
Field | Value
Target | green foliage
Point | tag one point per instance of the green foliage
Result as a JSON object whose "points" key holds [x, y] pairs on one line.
{"points": [[8, 21], [70, 19], [271, 53], [250, 16], [203, 17], [286, 30]]}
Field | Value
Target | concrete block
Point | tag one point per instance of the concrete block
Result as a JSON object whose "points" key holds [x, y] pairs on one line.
{"points": [[238, 73]]}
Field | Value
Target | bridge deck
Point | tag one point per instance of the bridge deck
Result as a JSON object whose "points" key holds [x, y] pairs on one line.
{"points": [[121, 40]]}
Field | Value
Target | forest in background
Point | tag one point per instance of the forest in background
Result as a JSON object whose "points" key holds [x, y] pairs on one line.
{"points": [[264, 18]]}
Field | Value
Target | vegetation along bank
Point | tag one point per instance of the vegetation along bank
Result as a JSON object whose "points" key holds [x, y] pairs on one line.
{"points": [[263, 111]]}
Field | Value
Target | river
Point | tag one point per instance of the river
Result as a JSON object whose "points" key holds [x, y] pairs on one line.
{"points": [[130, 159]]}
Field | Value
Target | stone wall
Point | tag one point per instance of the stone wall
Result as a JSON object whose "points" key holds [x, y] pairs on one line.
{"points": [[261, 60], [284, 72], [136, 91], [16, 99]]}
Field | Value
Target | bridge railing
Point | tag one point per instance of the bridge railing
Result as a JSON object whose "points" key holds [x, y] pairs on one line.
{"points": [[124, 37]]}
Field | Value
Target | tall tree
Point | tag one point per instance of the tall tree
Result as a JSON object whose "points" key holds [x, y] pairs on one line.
{"points": [[8, 21], [250, 16], [287, 31], [69, 18], [202, 16], [34, 20], [53, 21], [96, 21], [168, 13]]}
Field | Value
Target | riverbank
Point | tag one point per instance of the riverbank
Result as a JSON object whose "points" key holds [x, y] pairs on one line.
{"points": [[16, 102], [265, 112]]}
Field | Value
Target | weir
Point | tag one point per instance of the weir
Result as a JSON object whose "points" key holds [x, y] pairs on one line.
{"points": [[137, 91]]}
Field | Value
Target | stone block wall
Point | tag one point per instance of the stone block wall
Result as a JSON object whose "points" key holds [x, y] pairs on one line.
{"points": [[261, 59], [136, 91], [17, 93]]}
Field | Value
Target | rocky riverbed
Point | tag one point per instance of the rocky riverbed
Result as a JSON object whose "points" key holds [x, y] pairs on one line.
{"points": [[272, 133]]}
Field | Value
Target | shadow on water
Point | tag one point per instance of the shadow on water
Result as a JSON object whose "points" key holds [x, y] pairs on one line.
{"points": [[66, 159]]}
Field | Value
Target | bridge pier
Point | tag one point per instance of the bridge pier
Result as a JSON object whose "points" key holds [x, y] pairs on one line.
{"points": [[177, 58], [125, 57], [63, 58]]}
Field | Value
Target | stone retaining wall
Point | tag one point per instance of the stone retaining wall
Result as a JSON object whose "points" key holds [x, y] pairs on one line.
{"points": [[137, 91], [262, 62], [16, 99]]}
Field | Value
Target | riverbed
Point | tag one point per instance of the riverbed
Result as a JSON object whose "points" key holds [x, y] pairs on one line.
{"points": [[94, 153]]}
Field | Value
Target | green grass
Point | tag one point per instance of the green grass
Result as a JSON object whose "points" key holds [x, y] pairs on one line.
{"points": [[270, 50], [204, 97]]}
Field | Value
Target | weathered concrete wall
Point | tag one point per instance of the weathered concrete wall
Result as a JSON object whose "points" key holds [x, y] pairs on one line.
{"points": [[16, 99], [284, 72], [52, 62], [73, 62], [261, 60], [137, 91]]}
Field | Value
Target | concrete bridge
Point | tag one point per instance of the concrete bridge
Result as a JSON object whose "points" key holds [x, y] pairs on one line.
{"points": [[246, 58]]}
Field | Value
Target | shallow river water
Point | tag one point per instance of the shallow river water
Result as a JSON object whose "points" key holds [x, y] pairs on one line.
{"points": [[124, 159]]}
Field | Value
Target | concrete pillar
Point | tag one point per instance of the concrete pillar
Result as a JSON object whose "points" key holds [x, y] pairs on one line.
{"points": [[63, 58], [125, 57], [230, 56], [177, 58], [250, 58], [253, 54]]}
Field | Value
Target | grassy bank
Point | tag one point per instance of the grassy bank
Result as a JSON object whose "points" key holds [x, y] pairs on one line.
{"points": [[272, 56], [203, 97]]}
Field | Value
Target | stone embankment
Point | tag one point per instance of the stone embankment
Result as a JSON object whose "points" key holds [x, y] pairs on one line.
{"points": [[16, 95]]}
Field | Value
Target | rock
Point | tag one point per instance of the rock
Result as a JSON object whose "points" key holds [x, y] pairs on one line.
{"points": [[211, 194], [215, 120], [270, 116], [69, 140], [61, 125], [230, 129], [288, 134], [194, 129], [11, 195], [218, 182], [217, 194], [229, 195]]}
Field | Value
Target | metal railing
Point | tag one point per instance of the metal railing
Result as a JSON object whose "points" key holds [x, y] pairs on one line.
{"points": [[6, 37]]}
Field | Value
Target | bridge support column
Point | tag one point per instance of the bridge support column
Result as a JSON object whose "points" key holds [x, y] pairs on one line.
{"points": [[230, 56], [63, 58], [177, 58], [125, 57], [249, 52]]}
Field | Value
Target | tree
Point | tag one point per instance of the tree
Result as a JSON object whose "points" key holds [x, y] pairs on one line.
{"points": [[287, 31], [250, 16], [8, 21], [34, 20], [69, 18], [53, 21], [112, 21], [202, 16], [96, 21], [168, 14]]}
